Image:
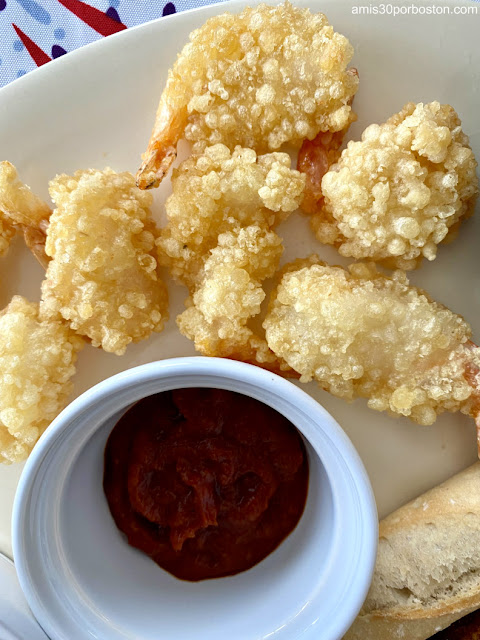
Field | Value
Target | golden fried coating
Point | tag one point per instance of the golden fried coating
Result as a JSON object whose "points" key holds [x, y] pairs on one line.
{"points": [[231, 294], [7, 231], [37, 360], [103, 276], [362, 334], [267, 76], [17, 202], [394, 196], [218, 191], [18, 206], [219, 242]]}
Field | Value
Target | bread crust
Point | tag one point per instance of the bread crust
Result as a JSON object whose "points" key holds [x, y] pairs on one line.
{"points": [[467, 628], [453, 506]]}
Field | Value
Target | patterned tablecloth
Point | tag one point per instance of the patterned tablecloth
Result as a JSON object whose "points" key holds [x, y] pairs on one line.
{"points": [[33, 32]]}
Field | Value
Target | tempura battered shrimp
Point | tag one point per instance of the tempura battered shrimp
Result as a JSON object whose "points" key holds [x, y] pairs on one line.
{"points": [[260, 79], [20, 207], [219, 243], [402, 190], [231, 294], [220, 191], [37, 360], [362, 334], [102, 276]]}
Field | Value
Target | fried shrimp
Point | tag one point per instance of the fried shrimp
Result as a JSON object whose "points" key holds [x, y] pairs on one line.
{"points": [[37, 360], [231, 294], [219, 242], [260, 79], [19, 207], [102, 276], [219, 191], [359, 333], [406, 187]]}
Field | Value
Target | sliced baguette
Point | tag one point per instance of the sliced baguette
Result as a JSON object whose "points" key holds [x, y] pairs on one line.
{"points": [[428, 564]]}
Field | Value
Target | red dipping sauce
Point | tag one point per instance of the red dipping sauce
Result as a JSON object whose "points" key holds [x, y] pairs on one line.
{"points": [[206, 482]]}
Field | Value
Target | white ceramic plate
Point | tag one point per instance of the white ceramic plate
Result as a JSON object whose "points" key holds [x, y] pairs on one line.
{"points": [[16, 619], [96, 106]]}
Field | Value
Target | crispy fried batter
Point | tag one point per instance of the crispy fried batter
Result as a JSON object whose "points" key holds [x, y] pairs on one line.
{"points": [[17, 202], [262, 78], [231, 293], [219, 243], [19, 206], [219, 191], [362, 334], [7, 231], [394, 196], [103, 276], [37, 360]]}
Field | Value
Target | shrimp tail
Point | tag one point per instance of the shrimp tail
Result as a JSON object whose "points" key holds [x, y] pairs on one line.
{"points": [[317, 156], [314, 160], [156, 163], [35, 240], [24, 211], [162, 147]]}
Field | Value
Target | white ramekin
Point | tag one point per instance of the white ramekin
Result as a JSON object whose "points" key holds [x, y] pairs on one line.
{"points": [[82, 580]]}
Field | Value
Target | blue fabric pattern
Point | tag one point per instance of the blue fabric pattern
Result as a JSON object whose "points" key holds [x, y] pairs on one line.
{"points": [[37, 31]]}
